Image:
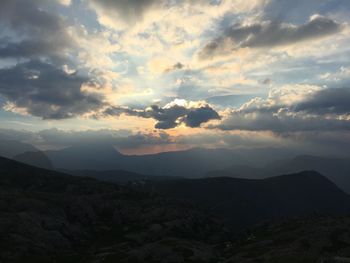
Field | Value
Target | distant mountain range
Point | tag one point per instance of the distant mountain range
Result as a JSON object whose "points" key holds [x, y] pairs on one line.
{"points": [[190, 163], [193, 163]]}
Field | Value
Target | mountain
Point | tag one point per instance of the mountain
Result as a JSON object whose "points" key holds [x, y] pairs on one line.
{"points": [[335, 169], [241, 171], [81, 157], [244, 202], [38, 159], [11, 148], [120, 176], [190, 163], [46, 216]]}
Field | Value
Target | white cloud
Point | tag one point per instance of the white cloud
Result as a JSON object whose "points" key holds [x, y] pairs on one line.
{"points": [[65, 2]]}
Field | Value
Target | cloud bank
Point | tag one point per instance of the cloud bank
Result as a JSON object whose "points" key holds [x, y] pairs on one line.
{"points": [[300, 108], [268, 34]]}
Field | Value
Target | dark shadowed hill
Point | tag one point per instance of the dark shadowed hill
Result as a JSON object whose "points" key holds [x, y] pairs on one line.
{"points": [[10, 148], [46, 216], [315, 239], [335, 169], [243, 202], [38, 159]]}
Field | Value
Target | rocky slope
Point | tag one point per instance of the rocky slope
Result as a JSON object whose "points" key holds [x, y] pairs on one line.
{"points": [[51, 217], [47, 216], [243, 202]]}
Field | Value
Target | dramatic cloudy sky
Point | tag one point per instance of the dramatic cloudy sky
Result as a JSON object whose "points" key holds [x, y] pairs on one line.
{"points": [[151, 76]]}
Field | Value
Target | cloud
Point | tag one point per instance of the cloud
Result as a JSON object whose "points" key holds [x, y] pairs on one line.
{"points": [[327, 101], [58, 139], [268, 34], [41, 89], [291, 109], [31, 31], [129, 11], [65, 2], [132, 11], [267, 81], [178, 112], [195, 117], [47, 54], [299, 9], [176, 66], [120, 138]]}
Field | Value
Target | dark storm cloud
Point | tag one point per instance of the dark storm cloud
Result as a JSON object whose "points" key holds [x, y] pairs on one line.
{"points": [[195, 117], [132, 11], [31, 48], [298, 10], [320, 111], [176, 66], [46, 91], [31, 31], [128, 10], [268, 34], [328, 101], [170, 117], [39, 85]]}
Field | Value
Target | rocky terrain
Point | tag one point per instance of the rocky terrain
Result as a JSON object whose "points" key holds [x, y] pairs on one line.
{"points": [[46, 216], [51, 217], [244, 202]]}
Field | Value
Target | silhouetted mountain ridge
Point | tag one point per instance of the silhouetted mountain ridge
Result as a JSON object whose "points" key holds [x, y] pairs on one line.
{"points": [[335, 169], [191, 163]]}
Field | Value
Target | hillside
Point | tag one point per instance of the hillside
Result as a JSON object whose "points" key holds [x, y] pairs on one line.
{"points": [[47, 216], [313, 239], [335, 169], [244, 202]]}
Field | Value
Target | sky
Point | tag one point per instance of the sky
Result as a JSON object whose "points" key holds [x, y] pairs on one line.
{"points": [[150, 76]]}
